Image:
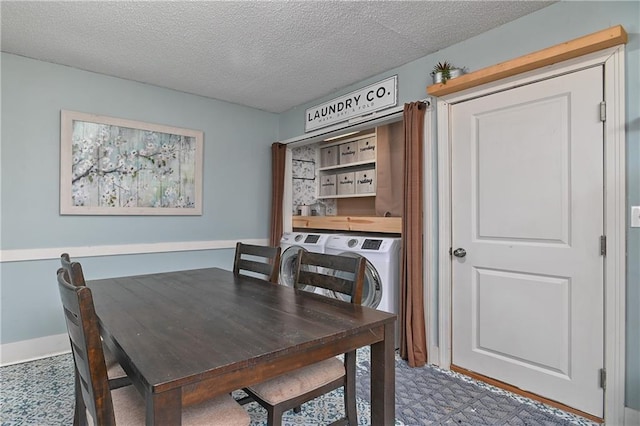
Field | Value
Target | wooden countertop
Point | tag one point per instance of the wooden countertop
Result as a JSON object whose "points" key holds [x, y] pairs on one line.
{"points": [[350, 223]]}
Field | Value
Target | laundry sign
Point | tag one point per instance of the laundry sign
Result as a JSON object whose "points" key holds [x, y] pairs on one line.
{"points": [[376, 97]]}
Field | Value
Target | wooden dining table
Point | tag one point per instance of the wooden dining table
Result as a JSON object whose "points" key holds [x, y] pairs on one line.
{"points": [[186, 336]]}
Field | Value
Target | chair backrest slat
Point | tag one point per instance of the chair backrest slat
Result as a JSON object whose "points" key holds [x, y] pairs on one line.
{"points": [[342, 274], [259, 267], [340, 285], [269, 267], [86, 345]]}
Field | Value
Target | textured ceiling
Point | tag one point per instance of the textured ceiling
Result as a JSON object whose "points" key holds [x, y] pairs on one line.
{"points": [[267, 55]]}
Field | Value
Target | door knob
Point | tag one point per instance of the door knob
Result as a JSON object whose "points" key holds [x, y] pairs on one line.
{"points": [[459, 252]]}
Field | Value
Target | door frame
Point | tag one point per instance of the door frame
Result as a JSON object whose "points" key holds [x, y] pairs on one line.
{"points": [[612, 59]]}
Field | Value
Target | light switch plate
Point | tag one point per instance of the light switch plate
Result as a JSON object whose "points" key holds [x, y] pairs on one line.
{"points": [[635, 216]]}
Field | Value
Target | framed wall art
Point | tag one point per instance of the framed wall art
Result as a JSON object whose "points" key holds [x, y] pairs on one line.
{"points": [[112, 166]]}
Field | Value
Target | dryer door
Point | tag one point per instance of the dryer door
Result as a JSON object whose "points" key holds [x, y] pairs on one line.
{"points": [[372, 288], [288, 266]]}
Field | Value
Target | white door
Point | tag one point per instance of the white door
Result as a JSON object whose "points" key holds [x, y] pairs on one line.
{"points": [[527, 206]]}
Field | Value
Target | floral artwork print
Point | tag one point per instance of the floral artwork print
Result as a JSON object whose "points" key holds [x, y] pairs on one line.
{"points": [[115, 166]]}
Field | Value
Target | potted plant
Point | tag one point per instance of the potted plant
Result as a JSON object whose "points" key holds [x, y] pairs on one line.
{"points": [[444, 71]]}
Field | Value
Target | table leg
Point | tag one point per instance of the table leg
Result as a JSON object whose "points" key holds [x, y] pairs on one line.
{"points": [[164, 408], [383, 379]]}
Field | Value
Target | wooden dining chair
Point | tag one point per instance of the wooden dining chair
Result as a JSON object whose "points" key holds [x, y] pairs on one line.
{"points": [[262, 260], [116, 375], [125, 405], [339, 274]]}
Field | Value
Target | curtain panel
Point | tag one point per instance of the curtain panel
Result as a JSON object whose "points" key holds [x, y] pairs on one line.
{"points": [[413, 342], [278, 158]]}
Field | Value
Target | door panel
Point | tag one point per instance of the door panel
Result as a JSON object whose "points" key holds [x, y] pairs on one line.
{"points": [[527, 206], [546, 145], [507, 303]]}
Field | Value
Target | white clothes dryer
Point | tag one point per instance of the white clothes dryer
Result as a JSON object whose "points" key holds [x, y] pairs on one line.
{"points": [[382, 271], [291, 243]]}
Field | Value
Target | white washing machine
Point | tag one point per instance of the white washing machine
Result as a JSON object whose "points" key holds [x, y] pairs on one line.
{"points": [[382, 271], [291, 243]]}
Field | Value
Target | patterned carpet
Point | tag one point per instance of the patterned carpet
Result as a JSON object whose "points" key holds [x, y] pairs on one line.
{"points": [[41, 393], [431, 396]]}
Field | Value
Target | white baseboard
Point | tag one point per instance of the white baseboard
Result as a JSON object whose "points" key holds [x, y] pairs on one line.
{"points": [[631, 417], [32, 349]]}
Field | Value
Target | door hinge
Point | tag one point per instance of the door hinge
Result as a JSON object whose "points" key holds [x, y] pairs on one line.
{"points": [[603, 111], [603, 378], [603, 245]]}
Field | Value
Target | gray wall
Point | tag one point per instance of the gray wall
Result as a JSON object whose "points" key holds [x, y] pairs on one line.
{"points": [[552, 25], [235, 199]]}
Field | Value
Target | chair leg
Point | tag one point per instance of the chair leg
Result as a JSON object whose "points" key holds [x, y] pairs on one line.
{"points": [[80, 411], [350, 388], [297, 409], [274, 416], [245, 400]]}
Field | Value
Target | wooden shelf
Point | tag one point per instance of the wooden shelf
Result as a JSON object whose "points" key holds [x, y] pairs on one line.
{"points": [[324, 197], [560, 52], [347, 165], [350, 223]]}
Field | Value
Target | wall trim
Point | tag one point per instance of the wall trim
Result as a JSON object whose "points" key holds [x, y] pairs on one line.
{"points": [[615, 212], [32, 349], [22, 255], [615, 228], [430, 248]]}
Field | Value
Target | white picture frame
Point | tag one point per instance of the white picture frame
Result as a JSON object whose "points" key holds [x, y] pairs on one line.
{"points": [[114, 166]]}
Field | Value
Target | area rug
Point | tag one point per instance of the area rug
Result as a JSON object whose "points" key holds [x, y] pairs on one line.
{"points": [[41, 393], [429, 395]]}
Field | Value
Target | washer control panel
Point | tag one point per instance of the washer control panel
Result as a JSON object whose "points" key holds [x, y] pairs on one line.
{"points": [[371, 244], [312, 239]]}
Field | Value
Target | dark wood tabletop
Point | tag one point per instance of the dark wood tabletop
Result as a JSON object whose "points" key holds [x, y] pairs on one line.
{"points": [[186, 336]]}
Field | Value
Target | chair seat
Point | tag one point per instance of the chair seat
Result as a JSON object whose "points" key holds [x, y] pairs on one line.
{"points": [[298, 382], [129, 410], [114, 370]]}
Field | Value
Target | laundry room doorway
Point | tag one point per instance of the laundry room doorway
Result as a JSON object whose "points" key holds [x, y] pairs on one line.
{"points": [[373, 213]]}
